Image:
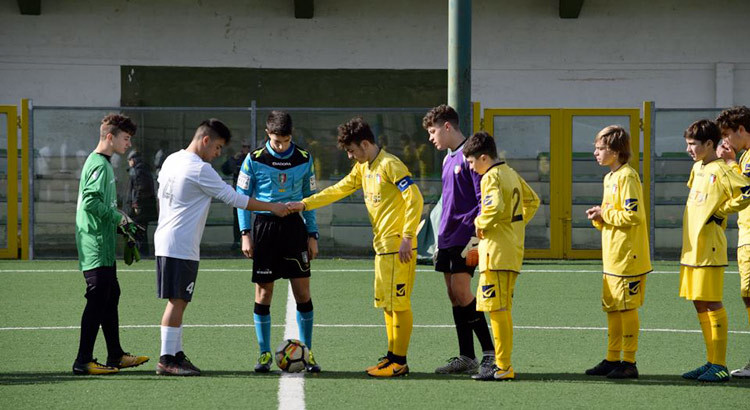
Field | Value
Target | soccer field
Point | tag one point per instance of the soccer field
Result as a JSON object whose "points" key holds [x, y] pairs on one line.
{"points": [[559, 332]]}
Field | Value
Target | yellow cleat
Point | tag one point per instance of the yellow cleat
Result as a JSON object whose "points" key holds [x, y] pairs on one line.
{"points": [[128, 360], [502, 375], [391, 369], [93, 367], [381, 362]]}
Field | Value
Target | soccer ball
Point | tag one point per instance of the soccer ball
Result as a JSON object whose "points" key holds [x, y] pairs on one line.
{"points": [[292, 355]]}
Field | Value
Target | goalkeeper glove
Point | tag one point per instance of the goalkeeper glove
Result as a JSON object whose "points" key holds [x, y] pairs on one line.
{"points": [[131, 253], [471, 252]]}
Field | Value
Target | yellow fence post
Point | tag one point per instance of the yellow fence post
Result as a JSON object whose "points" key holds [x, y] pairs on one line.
{"points": [[26, 157]]}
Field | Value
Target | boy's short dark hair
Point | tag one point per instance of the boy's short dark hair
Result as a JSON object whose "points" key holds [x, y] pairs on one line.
{"points": [[704, 130], [617, 139], [732, 118], [117, 122], [279, 123], [480, 143], [440, 115], [354, 131], [215, 129]]}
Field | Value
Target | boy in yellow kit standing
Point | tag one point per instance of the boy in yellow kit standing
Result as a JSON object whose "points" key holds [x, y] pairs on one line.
{"points": [[625, 252], [735, 129], [508, 203], [716, 191], [394, 205]]}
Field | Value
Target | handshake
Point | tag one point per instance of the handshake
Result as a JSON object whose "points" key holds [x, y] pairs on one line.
{"points": [[279, 209]]}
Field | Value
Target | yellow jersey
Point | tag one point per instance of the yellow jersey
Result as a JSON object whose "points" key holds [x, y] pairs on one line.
{"points": [[743, 218], [508, 204], [625, 249], [716, 191], [394, 203]]}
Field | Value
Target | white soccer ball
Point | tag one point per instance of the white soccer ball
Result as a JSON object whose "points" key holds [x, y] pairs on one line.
{"points": [[292, 356]]}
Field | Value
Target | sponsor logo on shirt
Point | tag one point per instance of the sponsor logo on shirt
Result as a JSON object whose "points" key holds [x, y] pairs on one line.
{"points": [[264, 272], [281, 164], [243, 180]]}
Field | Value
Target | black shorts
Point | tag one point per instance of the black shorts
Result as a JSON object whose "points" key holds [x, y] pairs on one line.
{"points": [[449, 260], [280, 248], [175, 278]]}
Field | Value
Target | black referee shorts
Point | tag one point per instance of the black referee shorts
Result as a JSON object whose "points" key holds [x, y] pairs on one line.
{"points": [[280, 248], [449, 260]]}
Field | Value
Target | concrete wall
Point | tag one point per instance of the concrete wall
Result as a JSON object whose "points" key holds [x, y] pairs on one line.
{"points": [[680, 53]]}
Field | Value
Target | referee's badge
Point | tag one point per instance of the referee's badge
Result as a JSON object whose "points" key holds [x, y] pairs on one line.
{"points": [[282, 179], [712, 178]]}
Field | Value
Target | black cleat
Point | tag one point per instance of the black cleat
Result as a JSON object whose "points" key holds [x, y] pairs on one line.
{"points": [[626, 370], [603, 368]]}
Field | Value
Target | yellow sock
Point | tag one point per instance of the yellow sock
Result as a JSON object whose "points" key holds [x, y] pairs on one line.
{"points": [[389, 328], [706, 329], [403, 322], [502, 333], [630, 327], [719, 330], [614, 336]]}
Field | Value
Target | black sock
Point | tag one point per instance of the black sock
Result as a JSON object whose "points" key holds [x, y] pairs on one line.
{"points": [[463, 332], [479, 324], [398, 359]]}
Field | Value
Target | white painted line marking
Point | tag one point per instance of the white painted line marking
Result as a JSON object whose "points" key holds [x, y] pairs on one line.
{"points": [[291, 385]]}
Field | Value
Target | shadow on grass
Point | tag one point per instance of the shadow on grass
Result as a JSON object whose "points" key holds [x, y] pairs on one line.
{"points": [[26, 378]]}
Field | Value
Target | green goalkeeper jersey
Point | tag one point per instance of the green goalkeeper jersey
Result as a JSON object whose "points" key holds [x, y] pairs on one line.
{"points": [[96, 214]]}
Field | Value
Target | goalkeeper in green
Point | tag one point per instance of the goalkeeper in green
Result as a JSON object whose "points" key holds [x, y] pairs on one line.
{"points": [[97, 222]]}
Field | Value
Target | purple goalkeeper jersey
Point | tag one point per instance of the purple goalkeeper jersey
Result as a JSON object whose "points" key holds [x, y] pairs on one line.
{"points": [[461, 198]]}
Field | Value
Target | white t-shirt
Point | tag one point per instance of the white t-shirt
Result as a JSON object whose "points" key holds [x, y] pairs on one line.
{"points": [[186, 186]]}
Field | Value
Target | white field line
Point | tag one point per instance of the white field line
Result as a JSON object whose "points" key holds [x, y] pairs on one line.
{"points": [[573, 328], [291, 385], [319, 270]]}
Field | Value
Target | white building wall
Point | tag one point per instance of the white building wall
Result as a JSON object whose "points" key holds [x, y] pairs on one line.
{"points": [[617, 53]]}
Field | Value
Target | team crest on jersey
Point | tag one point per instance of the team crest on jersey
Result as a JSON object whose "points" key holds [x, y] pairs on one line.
{"points": [[400, 289], [457, 169], [488, 291], [745, 191], [712, 178], [631, 204], [634, 287]]}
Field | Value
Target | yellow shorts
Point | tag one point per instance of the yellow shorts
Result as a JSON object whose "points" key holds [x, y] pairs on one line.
{"points": [[495, 290], [705, 284], [623, 292], [394, 281], [743, 261]]}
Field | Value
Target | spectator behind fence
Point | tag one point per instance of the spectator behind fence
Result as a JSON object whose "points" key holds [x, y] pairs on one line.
{"points": [[140, 203], [232, 166]]}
